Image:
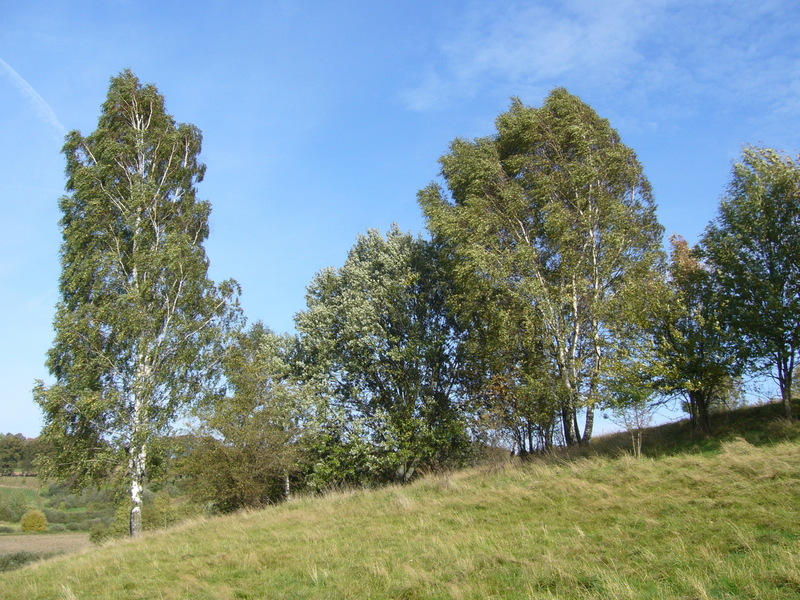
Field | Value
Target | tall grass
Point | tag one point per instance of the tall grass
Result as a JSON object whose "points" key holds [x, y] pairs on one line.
{"points": [[712, 525]]}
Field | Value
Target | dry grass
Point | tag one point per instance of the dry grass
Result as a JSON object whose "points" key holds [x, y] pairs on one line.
{"points": [[31, 483], [44, 542], [723, 525]]}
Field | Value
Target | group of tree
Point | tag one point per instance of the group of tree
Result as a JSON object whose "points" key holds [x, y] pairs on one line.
{"points": [[734, 299], [17, 454], [542, 295]]}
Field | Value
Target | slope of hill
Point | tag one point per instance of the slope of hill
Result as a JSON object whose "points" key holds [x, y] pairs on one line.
{"points": [[714, 524]]}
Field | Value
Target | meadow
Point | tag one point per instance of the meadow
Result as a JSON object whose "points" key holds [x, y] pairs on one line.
{"points": [[720, 520]]}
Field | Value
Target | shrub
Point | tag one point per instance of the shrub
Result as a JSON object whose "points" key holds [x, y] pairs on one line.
{"points": [[78, 517], [13, 504], [105, 514], [781, 429], [159, 513], [55, 516], [117, 527], [33, 520], [56, 528], [15, 560], [72, 526], [100, 534], [6, 529]]}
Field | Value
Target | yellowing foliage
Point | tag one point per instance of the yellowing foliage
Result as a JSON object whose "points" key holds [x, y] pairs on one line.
{"points": [[33, 520]]}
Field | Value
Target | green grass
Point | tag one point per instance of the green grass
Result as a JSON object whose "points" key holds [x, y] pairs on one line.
{"points": [[31, 495], [723, 523], [14, 501], [15, 560], [758, 425]]}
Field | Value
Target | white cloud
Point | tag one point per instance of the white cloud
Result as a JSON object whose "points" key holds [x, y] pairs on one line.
{"points": [[526, 44], [44, 111], [682, 54]]}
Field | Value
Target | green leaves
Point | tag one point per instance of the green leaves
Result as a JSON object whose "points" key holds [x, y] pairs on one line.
{"points": [[378, 336], [695, 350], [754, 247], [139, 323], [255, 437], [555, 212]]}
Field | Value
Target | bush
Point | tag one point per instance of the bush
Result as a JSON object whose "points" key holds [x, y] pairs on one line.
{"points": [[783, 430], [6, 529], [78, 516], [13, 504], [33, 520], [116, 527], [106, 513], [160, 512], [56, 528], [92, 524], [72, 526], [15, 560], [55, 516], [101, 533]]}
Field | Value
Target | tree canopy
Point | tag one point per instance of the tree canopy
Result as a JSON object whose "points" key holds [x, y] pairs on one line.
{"points": [[753, 246], [253, 439], [695, 352], [378, 337], [542, 295], [556, 212], [139, 324]]}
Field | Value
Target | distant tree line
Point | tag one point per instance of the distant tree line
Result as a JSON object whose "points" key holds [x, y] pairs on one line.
{"points": [[542, 295], [17, 454]]}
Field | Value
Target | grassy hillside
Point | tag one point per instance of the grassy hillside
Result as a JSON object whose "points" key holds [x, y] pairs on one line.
{"points": [[722, 523]]}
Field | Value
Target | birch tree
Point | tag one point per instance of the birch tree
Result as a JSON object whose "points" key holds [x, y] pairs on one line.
{"points": [[555, 211], [753, 246], [139, 323]]}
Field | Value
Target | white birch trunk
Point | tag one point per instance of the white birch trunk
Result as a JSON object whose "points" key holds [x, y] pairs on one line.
{"points": [[138, 450], [137, 470]]}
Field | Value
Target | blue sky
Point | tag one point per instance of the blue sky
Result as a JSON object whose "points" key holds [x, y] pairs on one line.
{"points": [[323, 119]]}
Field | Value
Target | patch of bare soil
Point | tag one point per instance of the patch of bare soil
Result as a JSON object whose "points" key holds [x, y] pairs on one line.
{"points": [[44, 542]]}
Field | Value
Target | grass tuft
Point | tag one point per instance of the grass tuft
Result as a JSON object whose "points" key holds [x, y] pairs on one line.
{"points": [[15, 560], [719, 519]]}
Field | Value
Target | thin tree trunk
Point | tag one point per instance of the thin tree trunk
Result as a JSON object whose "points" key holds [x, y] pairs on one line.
{"points": [[548, 436], [578, 437], [530, 437], [519, 436], [637, 442], [785, 368], [787, 403], [589, 425], [137, 461], [699, 403], [137, 468], [569, 426]]}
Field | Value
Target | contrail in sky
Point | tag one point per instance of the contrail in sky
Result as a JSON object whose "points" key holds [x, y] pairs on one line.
{"points": [[44, 110]]}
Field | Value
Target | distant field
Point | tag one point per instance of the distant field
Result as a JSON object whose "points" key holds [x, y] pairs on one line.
{"points": [[44, 542], [31, 483], [31, 496]]}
